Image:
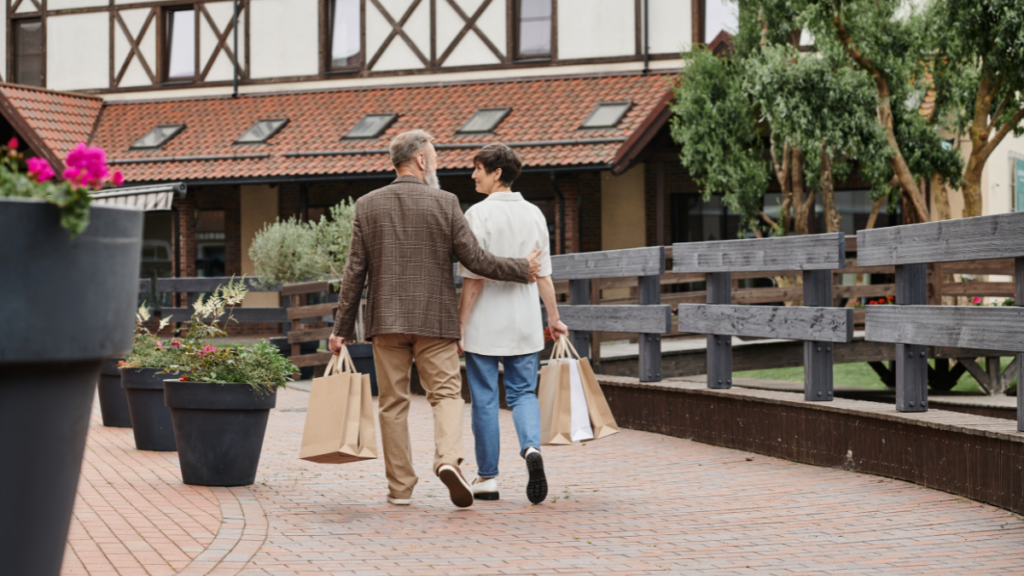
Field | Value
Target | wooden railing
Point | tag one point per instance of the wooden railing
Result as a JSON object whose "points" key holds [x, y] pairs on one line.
{"points": [[817, 323], [913, 325], [649, 318], [192, 288]]}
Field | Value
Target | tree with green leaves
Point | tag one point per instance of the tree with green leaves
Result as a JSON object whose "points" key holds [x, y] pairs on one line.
{"points": [[890, 44], [715, 124], [979, 78]]}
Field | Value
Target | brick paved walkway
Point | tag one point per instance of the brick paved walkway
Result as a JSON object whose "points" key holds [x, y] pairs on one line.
{"points": [[635, 503]]}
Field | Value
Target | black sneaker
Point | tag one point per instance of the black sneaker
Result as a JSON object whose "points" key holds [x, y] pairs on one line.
{"points": [[537, 487]]}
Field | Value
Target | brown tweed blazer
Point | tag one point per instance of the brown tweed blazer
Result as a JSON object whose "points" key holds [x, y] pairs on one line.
{"points": [[403, 237]]}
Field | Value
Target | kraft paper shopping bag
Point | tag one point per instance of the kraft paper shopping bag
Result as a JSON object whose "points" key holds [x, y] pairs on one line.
{"points": [[339, 420]]}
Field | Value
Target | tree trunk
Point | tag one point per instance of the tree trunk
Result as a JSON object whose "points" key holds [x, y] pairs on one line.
{"points": [[940, 198], [875, 208], [972, 185], [833, 221], [801, 205]]}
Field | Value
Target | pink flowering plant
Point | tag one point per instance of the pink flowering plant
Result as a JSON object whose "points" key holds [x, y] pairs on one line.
{"points": [[259, 365], [86, 170], [147, 349]]}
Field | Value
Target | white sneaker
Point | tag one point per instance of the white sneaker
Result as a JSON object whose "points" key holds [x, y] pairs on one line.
{"points": [[458, 488], [485, 489], [399, 501]]}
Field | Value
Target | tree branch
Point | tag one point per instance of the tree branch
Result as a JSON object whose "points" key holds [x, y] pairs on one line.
{"points": [[768, 220]]}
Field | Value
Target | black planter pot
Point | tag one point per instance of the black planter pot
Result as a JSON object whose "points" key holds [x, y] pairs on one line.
{"points": [[151, 420], [113, 400], [68, 304], [362, 357], [219, 429]]}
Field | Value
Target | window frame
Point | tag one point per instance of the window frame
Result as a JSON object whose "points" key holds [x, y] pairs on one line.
{"points": [[505, 109], [12, 67], [379, 133], [628, 104], [179, 128], [164, 48], [517, 56], [284, 122], [327, 39]]}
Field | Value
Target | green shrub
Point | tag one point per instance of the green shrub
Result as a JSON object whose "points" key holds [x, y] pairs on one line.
{"points": [[285, 253]]}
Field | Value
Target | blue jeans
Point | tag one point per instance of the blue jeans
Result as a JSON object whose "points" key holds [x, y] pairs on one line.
{"points": [[520, 395]]}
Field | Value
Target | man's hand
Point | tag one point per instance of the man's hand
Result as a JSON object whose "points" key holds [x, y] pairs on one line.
{"points": [[534, 265], [335, 344], [557, 328]]}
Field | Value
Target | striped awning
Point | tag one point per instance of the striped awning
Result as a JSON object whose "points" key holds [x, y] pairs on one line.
{"points": [[146, 198]]}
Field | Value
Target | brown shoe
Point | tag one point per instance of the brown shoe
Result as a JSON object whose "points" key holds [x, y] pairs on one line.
{"points": [[459, 489]]}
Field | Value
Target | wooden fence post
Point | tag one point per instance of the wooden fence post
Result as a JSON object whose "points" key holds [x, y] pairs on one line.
{"points": [[649, 292], [579, 294], [818, 355], [1019, 299], [911, 360], [719, 288]]}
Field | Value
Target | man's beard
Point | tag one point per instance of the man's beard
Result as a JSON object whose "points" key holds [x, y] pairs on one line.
{"points": [[430, 177]]}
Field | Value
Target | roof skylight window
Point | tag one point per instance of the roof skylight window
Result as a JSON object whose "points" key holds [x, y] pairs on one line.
{"points": [[262, 131], [158, 136], [607, 115], [484, 120], [371, 126]]}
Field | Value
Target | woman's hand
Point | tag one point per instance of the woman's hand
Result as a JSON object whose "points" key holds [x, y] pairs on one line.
{"points": [[462, 331], [558, 329]]}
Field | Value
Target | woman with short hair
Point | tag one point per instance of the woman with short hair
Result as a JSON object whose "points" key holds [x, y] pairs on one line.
{"points": [[501, 321]]}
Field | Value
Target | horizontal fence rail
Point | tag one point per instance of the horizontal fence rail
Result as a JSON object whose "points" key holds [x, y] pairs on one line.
{"points": [[811, 252], [649, 319], [980, 238], [913, 326], [816, 323]]}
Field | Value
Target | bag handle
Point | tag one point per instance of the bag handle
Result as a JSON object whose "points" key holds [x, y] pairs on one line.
{"points": [[571, 348], [343, 362]]}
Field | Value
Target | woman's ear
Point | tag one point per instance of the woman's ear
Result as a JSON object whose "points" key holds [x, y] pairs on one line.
{"points": [[497, 175]]}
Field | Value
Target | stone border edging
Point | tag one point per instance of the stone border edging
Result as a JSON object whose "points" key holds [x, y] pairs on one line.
{"points": [[242, 532]]}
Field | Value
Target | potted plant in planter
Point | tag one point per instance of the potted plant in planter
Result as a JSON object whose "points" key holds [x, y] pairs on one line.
{"points": [[293, 252], [221, 402], [142, 379], [70, 279], [113, 401]]}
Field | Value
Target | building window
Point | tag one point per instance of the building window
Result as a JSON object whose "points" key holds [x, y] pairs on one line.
{"points": [[158, 136], [262, 131], [180, 45], [210, 249], [28, 51], [607, 115], [345, 17], [533, 29], [484, 120], [371, 126], [720, 16]]}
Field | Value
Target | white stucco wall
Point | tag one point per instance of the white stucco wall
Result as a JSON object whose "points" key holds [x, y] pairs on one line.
{"points": [[223, 67], [997, 184], [135, 75], [398, 55], [273, 22], [471, 50], [77, 51], [66, 4], [596, 28], [670, 24]]}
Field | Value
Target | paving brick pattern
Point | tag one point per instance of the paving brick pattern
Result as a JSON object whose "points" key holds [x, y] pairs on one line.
{"points": [[634, 503]]}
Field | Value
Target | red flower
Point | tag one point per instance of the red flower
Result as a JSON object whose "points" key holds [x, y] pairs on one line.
{"points": [[183, 378], [13, 143]]}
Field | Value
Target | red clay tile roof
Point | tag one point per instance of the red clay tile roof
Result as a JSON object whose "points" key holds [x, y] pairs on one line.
{"points": [[50, 122], [543, 111]]}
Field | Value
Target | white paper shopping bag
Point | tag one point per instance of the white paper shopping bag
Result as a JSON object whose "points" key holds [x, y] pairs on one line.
{"points": [[581, 429]]}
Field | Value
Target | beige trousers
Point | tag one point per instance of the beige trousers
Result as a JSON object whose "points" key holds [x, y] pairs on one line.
{"points": [[437, 361]]}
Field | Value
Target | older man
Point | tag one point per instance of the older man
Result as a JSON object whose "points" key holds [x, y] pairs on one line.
{"points": [[404, 236]]}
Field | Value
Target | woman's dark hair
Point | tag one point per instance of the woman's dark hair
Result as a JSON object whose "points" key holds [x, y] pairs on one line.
{"points": [[494, 156]]}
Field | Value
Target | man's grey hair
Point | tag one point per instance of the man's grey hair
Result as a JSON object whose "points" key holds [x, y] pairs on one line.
{"points": [[407, 145]]}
